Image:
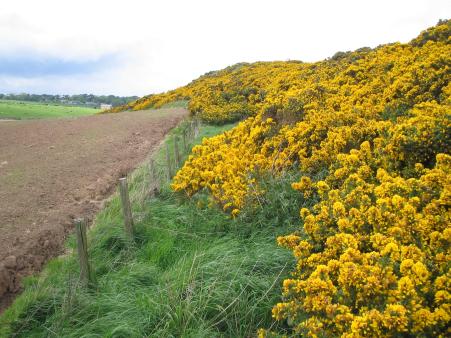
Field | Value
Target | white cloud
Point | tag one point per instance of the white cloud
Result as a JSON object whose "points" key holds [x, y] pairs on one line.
{"points": [[164, 44]]}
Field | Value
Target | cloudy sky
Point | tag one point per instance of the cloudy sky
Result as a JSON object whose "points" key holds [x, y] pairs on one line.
{"points": [[134, 47]]}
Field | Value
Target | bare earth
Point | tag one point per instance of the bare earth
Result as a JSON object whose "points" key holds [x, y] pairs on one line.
{"points": [[52, 171]]}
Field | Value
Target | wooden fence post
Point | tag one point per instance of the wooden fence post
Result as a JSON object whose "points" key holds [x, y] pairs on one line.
{"points": [[176, 152], [82, 246], [168, 162], [154, 184], [193, 128], [126, 208], [185, 145], [197, 127], [189, 132]]}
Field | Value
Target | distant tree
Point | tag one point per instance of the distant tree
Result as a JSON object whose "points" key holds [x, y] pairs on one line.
{"points": [[80, 99]]}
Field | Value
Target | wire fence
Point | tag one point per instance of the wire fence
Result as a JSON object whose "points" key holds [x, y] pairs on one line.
{"points": [[160, 168]]}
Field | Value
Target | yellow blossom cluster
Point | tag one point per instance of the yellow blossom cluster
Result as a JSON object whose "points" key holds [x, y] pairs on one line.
{"points": [[298, 126], [375, 258], [222, 164]]}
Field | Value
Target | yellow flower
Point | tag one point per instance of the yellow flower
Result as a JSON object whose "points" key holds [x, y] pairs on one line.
{"points": [[235, 212]]}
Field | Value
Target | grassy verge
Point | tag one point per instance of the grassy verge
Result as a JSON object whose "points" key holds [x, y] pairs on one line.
{"points": [[176, 104], [19, 110], [192, 272]]}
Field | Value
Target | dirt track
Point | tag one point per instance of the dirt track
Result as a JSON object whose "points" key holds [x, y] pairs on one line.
{"points": [[54, 170]]}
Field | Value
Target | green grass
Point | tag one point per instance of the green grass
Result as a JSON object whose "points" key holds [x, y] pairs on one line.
{"points": [[18, 110], [176, 104], [192, 272]]}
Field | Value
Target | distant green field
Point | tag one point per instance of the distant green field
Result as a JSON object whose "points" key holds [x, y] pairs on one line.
{"points": [[19, 110]]}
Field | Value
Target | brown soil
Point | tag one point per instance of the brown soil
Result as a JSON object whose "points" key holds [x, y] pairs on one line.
{"points": [[52, 171]]}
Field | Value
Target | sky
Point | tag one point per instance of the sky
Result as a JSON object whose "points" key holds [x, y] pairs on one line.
{"points": [[136, 47]]}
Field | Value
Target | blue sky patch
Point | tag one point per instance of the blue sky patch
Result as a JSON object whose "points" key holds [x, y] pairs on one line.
{"points": [[29, 66]]}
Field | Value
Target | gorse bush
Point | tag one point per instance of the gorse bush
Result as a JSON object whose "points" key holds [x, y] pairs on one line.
{"points": [[375, 258], [369, 132]]}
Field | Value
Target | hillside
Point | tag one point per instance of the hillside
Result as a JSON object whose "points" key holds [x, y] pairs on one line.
{"points": [[399, 74], [323, 211], [370, 133]]}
